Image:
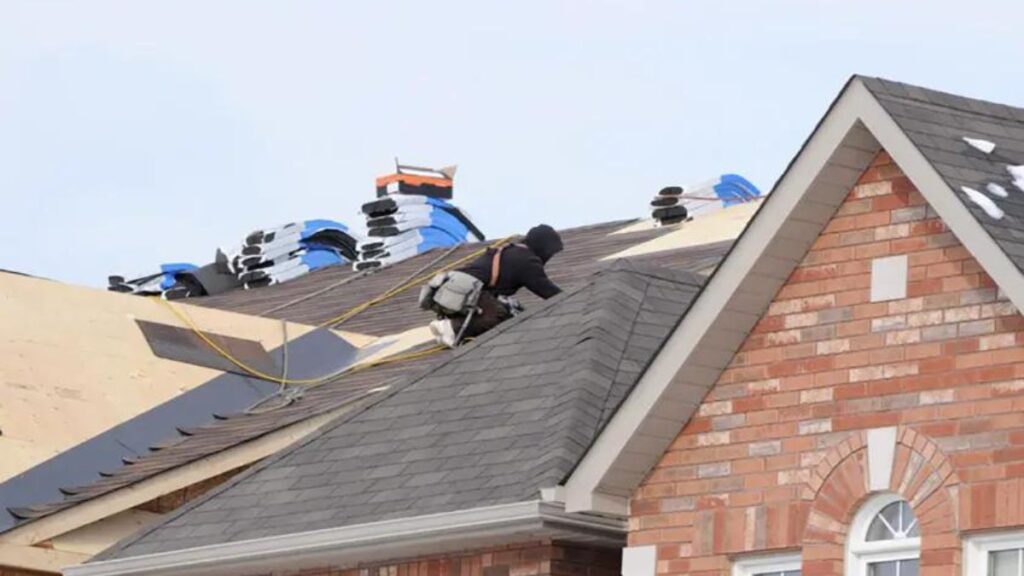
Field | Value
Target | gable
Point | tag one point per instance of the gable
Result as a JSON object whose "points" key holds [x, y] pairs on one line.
{"points": [[827, 362], [802, 202]]}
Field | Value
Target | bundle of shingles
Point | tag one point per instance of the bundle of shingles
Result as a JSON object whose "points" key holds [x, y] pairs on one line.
{"points": [[674, 204], [280, 254], [412, 214], [265, 257]]}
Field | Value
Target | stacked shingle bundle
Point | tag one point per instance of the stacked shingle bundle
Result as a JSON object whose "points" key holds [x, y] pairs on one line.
{"points": [[411, 215], [276, 255], [266, 257], [179, 280], [674, 204], [153, 284]]}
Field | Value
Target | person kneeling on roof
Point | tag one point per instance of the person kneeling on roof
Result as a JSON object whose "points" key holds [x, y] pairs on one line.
{"points": [[478, 297]]}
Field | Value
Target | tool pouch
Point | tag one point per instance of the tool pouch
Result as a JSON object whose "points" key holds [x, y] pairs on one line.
{"points": [[451, 293]]}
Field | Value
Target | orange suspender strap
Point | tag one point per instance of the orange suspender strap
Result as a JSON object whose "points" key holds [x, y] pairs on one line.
{"points": [[496, 266]]}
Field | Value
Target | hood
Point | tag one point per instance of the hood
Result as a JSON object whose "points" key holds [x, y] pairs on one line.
{"points": [[543, 241]]}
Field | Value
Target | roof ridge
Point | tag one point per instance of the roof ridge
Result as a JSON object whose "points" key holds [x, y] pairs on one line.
{"points": [[947, 100], [592, 369]]}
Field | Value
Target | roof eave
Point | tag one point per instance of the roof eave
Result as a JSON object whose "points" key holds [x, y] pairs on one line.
{"points": [[386, 540], [704, 342]]}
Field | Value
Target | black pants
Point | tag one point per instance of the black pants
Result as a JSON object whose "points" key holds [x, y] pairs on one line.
{"points": [[490, 312]]}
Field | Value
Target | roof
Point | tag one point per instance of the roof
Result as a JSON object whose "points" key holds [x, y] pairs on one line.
{"points": [[922, 130], [322, 298], [338, 288], [937, 123], [497, 421], [619, 441], [76, 367]]}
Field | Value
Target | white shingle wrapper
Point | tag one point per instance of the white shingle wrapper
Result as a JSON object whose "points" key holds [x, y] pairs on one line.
{"points": [[1018, 175], [984, 202], [983, 145], [996, 190]]}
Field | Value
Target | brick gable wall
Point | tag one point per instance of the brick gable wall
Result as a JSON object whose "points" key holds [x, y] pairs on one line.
{"points": [[534, 559], [775, 458]]}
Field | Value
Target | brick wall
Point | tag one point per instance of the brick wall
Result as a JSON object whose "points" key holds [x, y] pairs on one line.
{"points": [[19, 572], [775, 457], [536, 559]]}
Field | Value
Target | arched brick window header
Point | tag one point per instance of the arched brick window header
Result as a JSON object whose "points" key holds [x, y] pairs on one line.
{"points": [[897, 461]]}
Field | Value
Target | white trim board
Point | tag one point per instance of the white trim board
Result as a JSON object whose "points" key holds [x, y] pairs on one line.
{"points": [[801, 204], [766, 563], [390, 539]]}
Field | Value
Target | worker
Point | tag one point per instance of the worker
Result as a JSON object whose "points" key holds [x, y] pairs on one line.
{"points": [[482, 292]]}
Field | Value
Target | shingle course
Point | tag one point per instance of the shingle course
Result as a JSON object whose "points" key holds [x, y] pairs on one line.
{"points": [[937, 122], [484, 437]]}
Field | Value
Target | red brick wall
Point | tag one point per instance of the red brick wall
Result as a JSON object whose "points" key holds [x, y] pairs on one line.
{"points": [[537, 559], [19, 572], [775, 457]]}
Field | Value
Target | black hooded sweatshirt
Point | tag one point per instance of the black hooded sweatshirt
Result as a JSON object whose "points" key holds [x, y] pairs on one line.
{"points": [[522, 265]]}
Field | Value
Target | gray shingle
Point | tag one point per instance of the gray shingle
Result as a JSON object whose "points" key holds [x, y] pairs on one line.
{"points": [[936, 123], [466, 434]]}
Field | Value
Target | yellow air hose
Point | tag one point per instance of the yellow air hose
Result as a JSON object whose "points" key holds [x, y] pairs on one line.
{"points": [[310, 382]]}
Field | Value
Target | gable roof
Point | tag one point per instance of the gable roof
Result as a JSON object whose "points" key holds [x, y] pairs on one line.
{"points": [[922, 130], [233, 440], [495, 423], [77, 373]]}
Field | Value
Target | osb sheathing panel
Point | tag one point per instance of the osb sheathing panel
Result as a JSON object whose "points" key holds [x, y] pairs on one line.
{"points": [[73, 363], [726, 224], [99, 536]]}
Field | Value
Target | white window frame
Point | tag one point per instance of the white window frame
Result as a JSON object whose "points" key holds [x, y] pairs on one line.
{"points": [[754, 565], [860, 552], [977, 548]]}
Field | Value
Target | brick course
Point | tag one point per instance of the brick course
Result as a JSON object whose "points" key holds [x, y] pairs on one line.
{"points": [[775, 457]]}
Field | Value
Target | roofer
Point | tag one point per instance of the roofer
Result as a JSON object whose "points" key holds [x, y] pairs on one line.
{"points": [[479, 296]]}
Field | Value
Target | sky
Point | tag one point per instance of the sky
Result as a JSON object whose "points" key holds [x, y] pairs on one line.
{"points": [[134, 133]]}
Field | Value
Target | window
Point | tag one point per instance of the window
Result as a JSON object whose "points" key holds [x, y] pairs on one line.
{"points": [[999, 554], [884, 540], [777, 565]]}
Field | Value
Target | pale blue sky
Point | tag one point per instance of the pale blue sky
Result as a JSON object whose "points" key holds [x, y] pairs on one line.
{"points": [[139, 132]]}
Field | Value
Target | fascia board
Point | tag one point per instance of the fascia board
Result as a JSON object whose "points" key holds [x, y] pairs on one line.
{"points": [[360, 543]]}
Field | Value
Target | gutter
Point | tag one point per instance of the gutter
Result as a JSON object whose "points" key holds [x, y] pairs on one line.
{"points": [[372, 542]]}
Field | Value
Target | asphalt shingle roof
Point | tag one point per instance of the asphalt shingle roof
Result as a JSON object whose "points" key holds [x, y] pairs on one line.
{"points": [[585, 247], [937, 122], [497, 421]]}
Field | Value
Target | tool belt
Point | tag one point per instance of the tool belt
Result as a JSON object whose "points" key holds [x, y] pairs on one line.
{"points": [[456, 293]]}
